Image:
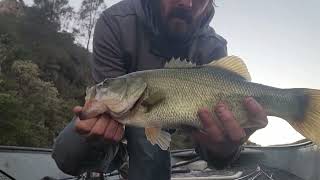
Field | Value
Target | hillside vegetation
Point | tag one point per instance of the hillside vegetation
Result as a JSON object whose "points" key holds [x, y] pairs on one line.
{"points": [[43, 74]]}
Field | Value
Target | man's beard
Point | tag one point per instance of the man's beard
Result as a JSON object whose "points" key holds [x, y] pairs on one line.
{"points": [[178, 24]]}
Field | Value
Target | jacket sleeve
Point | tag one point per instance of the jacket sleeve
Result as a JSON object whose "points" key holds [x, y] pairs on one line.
{"points": [[108, 59], [72, 153]]}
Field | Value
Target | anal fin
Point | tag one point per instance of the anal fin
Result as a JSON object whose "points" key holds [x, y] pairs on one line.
{"points": [[159, 137]]}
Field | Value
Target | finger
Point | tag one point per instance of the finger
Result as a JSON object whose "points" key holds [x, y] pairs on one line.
{"points": [[99, 128], [206, 118], [119, 133], [231, 126], [77, 109], [211, 128], [256, 112], [111, 129], [84, 127]]}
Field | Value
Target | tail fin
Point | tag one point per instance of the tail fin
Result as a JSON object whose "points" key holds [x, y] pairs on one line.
{"points": [[309, 124]]}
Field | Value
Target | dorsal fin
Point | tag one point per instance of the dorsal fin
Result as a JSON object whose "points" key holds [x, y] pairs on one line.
{"points": [[233, 64], [178, 63]]}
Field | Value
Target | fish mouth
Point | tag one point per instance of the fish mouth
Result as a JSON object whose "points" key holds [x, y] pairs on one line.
{"points": [[116, 97], [123, 117], [92, 108]]}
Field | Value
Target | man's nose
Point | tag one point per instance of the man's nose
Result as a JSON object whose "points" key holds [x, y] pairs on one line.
{"points": [[185, 3]]}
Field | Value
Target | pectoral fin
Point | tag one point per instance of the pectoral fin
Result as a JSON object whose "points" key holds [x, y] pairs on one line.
{"points": [[153, 99], [157, 136]]}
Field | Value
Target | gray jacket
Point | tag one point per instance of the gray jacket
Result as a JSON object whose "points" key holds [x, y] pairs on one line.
{"points": [[127, 39]]}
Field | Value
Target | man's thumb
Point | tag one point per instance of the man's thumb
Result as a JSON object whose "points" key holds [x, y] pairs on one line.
{"points": [[77, 110]]}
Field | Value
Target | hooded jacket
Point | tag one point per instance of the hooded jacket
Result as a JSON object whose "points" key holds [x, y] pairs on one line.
{"points": [[127, 38]]}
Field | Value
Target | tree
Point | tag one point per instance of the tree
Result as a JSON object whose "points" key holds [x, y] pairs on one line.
{"points": [[88, 15], [22, 3], [11, 7], [31, 112], [36, 96], [41, 100], [55, 11]]}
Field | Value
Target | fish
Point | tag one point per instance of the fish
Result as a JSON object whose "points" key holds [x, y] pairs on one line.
{"points": [[170, 97]]}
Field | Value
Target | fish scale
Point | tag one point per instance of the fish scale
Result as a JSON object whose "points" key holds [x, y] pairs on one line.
{"points": [[180, 108], [171, 97]]}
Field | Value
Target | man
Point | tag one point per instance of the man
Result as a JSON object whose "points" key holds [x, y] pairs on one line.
{"points": [[143, 34]]}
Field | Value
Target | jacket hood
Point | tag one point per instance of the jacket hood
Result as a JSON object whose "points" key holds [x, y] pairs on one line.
{"points": [[147, 15], [160, 44]]}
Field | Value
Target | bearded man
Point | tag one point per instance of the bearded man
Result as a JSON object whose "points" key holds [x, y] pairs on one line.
{"points": [[135, 35]]}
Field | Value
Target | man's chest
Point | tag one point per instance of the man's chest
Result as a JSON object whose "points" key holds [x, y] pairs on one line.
{"points": [[143, 52], [142, 55]]}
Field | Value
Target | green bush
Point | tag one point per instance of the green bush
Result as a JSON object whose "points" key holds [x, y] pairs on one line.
{"points": [[43, 74]]}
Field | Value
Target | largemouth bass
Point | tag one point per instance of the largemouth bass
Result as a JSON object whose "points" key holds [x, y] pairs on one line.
{"points": [[171, 97]]}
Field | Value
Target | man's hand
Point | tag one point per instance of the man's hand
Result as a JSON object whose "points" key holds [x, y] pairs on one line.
{"points": [[99, 127], [223, 136]]}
